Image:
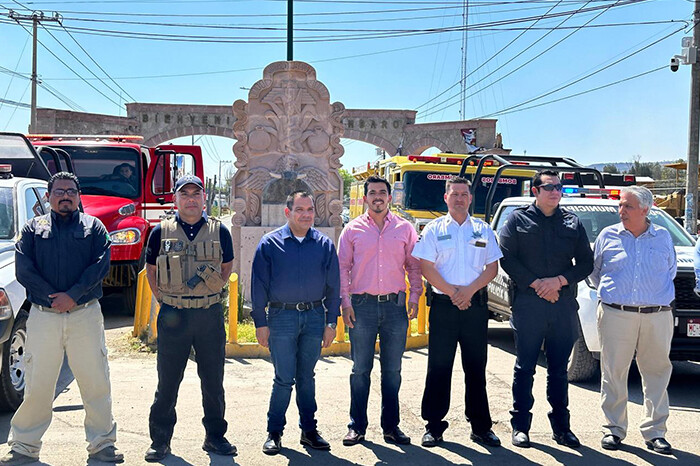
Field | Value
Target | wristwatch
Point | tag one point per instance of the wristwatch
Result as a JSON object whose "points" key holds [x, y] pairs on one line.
{"points": [[333, 325]]}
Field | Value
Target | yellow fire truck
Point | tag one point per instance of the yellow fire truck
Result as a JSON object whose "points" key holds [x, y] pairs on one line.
{"points": [[418, 181]]}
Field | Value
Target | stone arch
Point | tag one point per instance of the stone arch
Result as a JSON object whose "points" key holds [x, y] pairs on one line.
{"points": [[182, 131], [419, 146], [364, 136]]}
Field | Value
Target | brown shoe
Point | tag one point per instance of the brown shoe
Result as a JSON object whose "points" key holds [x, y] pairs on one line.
{"points": [[353, 437]]}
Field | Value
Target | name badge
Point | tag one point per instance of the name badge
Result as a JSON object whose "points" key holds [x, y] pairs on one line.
{"points": [[480, 244], [444, 237]]}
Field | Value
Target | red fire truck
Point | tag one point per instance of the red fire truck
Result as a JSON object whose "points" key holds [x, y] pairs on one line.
{"points": [[125, 184]]}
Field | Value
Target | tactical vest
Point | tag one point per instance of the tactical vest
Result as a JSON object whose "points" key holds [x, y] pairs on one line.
{"points": [[179, 260]]}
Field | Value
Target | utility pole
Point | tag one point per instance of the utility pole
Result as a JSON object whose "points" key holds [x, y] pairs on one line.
{"points": [[290, 30], [691, 192], [220, 162], [463, 82], [35, 18]]}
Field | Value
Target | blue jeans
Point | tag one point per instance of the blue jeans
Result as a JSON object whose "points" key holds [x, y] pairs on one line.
{"points": [[390, 321], [534, 322], [295, 346]]}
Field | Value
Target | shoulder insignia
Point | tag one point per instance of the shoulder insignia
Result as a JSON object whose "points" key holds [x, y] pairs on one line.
{"points": [[570, 222]]}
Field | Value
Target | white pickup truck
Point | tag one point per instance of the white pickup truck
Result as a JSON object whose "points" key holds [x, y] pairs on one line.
{"points": [[596, 214], [21, 198]]}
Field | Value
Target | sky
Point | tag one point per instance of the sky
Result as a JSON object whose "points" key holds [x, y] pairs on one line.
{"points": [[391, 54]]}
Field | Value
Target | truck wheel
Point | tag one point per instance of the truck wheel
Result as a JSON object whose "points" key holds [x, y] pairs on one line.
{"points": [[582, 365], [129, 294], [12, 375]]}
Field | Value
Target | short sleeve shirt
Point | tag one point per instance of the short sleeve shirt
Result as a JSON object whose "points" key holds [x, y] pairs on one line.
{"points": [[460, 252]]}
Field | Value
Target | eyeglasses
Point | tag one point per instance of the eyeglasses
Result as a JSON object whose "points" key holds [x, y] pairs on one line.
{"points": [[61, 192], [551, 187]]}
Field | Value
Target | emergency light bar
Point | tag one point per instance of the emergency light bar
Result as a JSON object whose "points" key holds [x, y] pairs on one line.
{"points": [[83, 137], [591, 192], [435, 159]]}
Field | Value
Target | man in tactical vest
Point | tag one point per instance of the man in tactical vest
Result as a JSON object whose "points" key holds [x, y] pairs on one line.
{"points": [[188, 261]]}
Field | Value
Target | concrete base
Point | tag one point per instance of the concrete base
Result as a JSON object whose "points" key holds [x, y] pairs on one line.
{"points": [[248, 244]]}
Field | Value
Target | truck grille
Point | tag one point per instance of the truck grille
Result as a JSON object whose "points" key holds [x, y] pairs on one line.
{"points": [[685, 296]]}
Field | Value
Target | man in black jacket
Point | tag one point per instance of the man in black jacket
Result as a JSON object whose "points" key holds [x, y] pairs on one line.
{"points": [[61, 259], [538, 244]]}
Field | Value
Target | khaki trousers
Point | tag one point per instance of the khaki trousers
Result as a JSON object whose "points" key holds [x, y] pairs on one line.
{"points": [[80, 335], [621, 334]]}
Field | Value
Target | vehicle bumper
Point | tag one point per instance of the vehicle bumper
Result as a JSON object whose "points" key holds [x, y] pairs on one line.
{"points": [[122, 274]]}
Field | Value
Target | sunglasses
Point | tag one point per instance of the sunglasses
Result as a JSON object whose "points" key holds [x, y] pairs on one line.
{"points": [[551, 187]]}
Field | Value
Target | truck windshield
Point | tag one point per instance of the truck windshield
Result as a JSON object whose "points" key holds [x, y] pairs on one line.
{"points": [[105, 171], [425, 190], [7, 220]]}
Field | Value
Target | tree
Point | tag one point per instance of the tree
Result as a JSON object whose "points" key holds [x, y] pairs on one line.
{"points": [[611, 168], [347, 181]]}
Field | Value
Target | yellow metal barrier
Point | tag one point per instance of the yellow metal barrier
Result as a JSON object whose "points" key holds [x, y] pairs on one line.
{"points": [[147, 308]]}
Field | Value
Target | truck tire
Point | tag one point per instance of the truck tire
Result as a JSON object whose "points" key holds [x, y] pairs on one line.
{"points": [[12, 375], [582, 365], [129, 294]]}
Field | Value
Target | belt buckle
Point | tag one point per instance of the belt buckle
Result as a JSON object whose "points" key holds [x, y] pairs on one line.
{"points": [[301, 306], [382, 298]]}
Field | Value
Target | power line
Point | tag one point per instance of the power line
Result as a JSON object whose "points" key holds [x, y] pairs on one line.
{"points": [[508, 109], [73, 71], [14, 110], [353, 34], [14, 73], [571, 96], [98, 65], [464, 78], [89, 70], [578, 28]]}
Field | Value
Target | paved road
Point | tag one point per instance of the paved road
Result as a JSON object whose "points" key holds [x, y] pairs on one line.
{"points": [[248, 385]]}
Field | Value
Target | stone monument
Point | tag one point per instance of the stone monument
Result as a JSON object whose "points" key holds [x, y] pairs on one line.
{"points": [[288, 139]]}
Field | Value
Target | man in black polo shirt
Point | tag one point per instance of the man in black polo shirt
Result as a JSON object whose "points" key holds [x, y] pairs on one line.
{"points": [[188, 261]]}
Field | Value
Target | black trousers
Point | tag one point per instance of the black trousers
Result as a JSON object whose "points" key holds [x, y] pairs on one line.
{"points": [[179, 330], [536, 322], [449, 326]]}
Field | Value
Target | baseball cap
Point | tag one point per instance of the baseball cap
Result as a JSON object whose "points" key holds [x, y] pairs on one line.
{"points": [[188, 179]]}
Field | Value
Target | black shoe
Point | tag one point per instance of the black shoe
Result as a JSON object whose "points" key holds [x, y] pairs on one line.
{"points": [[430, 439], [157, 452], [314, 440], [660, 445], [568, 439], [396, 436], [488, 438], [273, 444], [353, 437], [219, 446], [611, 442], [520, 439]]}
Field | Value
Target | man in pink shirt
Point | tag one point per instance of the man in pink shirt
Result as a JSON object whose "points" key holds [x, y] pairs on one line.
{"points": [[375, 254]]}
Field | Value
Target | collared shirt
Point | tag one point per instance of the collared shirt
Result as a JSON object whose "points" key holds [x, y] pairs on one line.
{"points": [[696, 266], [635, 271], [536, 246], [288, 271], [56, 254], [376, 262], [153, 246], [460, 252]]}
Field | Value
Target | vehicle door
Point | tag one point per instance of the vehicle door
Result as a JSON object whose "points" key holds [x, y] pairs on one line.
{"points": [[500, 288], [168, 163]]}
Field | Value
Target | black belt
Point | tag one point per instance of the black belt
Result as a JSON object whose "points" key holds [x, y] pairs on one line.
{"points": [[639, 309], [380, 298], [296, 306]]}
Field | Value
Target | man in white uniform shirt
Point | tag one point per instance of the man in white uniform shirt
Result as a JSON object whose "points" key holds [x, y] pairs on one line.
{"points": [[459, 257]]}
